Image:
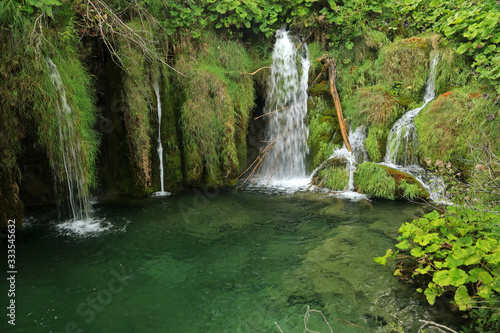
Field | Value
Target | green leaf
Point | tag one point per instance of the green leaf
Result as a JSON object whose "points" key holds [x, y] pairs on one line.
{"points": [[431, 294], [433, 215], [423, 270], [440, 264], [462, 48], [462, 298], [433, 248], [442, 278], [485, 277], [458, 277], [417, 252], [404, 245]]}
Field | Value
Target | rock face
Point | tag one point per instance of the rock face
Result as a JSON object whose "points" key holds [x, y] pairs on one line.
{"points": [[11, 206]]}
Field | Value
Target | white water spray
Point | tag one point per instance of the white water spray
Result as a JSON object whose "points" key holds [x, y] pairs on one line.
{"points": [[404, 132], [286, 103], [160, 147]]}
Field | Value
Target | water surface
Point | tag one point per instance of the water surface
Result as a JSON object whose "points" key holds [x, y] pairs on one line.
{"points": [[217, 262]]}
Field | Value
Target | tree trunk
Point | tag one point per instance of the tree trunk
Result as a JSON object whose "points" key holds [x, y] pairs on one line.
{"points": [[336, 100]]}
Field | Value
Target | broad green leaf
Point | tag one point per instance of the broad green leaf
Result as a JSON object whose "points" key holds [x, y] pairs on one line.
{"points": [[430, 294], [433, 215], [417, 252], [485, 277], [442, 278], [433, 248], [458, 277], [462, 298], [424, 270], [462, 48], [404, 245], [440, 264], [465, 241]]}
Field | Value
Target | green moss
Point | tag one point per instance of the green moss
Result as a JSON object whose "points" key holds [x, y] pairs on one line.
{"points": [[450, 123], [375, 143], [373, 106], [384, 182], [324, 131], [374, 180], [214, 116], [403, 66]]}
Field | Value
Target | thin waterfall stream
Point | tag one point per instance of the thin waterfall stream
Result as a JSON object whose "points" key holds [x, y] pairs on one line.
{"points": [[403, 133], [70, 149], [160, 147], [402, 142]]}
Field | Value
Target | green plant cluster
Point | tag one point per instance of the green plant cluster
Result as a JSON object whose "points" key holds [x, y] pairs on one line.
{"points": [[383, 182], [455, 253], [219, 96], [472, 26], [444, 127]]}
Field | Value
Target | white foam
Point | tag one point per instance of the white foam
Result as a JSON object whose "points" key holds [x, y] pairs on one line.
{"points": [[86, 227], [161, 194]]}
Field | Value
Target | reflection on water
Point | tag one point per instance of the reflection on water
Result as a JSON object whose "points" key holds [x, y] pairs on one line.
{"points": [[219, 262]]}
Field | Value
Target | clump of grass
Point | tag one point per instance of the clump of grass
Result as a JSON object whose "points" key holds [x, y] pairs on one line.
{"points": [[374, 106], [447, 125], [403, 66], [372, 179], [214, 117], [375, 143]]}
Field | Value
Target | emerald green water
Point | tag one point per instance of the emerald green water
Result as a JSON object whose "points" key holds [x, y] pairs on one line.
{"points": [[223, 262]]}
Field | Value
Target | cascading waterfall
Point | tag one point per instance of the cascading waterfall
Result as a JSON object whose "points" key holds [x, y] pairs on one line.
{"points": [[71, 151], [160, 147], [286, 104], [403, 133]]}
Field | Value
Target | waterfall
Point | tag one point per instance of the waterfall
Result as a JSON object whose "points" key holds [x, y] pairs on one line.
{"points": [[286, 104], [404, 132], [70, 149], [357, 140], [160, 147]]}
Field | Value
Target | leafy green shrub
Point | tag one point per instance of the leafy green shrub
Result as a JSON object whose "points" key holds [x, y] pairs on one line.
{"points": [[472, 26], [455, 253]]}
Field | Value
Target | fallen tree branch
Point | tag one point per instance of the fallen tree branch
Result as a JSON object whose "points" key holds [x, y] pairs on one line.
{"points": [[434, 324], [336, 101], [258, 70], [310, 34], [265, 114]]}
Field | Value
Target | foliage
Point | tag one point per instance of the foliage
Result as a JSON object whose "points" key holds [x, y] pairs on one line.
{"points": [[373, 179], [472, 26], [323, 128], [214, 116], [136, 98], [402, 68], [444, 127], [454, 253], [384, 182], [375, 143]]}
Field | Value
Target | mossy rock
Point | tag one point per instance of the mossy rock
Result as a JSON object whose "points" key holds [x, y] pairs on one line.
{"points": [[456, 121], [384, 182], [320, 89], [333, 174], [403, 66]]}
